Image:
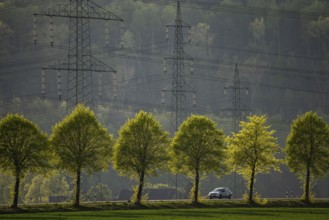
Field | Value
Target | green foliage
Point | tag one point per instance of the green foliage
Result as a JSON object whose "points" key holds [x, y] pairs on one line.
{"points": [[81, 142], [257, 28], [141, 148], [43, 186], [23, 148], [56, 184], [307, 149], [5, 182], [99, 192], [198, 142], [197, 149], [5, 33], [252, 150], [35, 192], [256, 198]]}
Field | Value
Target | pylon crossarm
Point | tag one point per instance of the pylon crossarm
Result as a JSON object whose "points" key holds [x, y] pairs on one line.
{"points": [[101, 13], [184, 25], [96, 66], [99, 66], [60, 65], [184, 56], [95, 12], [178, 90]]}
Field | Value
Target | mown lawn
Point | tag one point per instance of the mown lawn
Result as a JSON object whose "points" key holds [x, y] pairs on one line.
{"points": [[180, 214]]}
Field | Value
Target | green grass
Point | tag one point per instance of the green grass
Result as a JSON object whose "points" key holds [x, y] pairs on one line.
{"points": [[183, 214], [287, 209]]}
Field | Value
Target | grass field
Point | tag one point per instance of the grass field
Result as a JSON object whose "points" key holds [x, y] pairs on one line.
{"points": [[184, 214]]}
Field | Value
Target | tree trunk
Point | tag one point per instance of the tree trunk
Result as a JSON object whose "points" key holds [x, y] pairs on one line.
{"points": [[140, 189], [196, 187], [307, 185], [251, 185], [77, 188], [16, 191]]}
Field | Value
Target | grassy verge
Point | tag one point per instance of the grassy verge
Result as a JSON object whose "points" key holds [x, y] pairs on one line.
{"points": [[182, 214], [104, 206]]}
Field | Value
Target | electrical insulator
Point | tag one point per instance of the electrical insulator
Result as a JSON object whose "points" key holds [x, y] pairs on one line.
{"points": [[162, 98], [122, 43], [247, 91], [59, 84], [192, 67], [167, 33], [115, 84], [100, 86], [194, 99], [164, 66], [225, 91], [189, 38], [115, 93], [51, 31], [43, 84], [35, 29], [106, 34]]}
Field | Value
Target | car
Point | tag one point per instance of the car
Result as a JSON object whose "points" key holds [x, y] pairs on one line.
{"points": [[219, 193]]}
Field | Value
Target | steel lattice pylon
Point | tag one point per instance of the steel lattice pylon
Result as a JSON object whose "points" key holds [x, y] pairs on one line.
{"points": [[237, 116], [79, 87], [80, 63], [179, 88]]}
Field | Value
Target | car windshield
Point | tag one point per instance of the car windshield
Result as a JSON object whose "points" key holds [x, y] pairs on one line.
{"points": [[217, 189]]}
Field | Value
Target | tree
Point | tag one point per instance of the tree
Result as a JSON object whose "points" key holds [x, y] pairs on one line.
{"points": [[81, 143], [99, 192], [23, 148], [5, 33], [252, 150], [44, 186], [56, 185], [307, 149], [141, 149], [35, 192], [197, 149], [5, 182]]}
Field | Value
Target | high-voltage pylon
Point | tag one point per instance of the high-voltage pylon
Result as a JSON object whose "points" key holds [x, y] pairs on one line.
{"points": [[237, 111], [178, 88], [80, 64], [236, 100]]}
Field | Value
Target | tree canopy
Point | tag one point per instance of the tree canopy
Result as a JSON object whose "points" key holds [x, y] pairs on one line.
{"points": [[23, 148], [197, 149], [307, 149], [252, 150], [81, 143], [141, 149]]}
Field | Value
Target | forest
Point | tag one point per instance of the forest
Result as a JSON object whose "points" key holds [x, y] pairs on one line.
{"points": [[279, 46]]}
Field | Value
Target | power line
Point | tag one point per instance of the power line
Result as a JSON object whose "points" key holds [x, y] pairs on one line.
{"points": [[242, 9]]}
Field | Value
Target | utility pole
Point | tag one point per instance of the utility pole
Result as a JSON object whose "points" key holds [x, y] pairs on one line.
{"points": [[178, 88], [236, 109], [80, 63]]}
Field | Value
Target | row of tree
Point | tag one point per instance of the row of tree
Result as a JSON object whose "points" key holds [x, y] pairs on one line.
{"points": [[80, 143]]}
